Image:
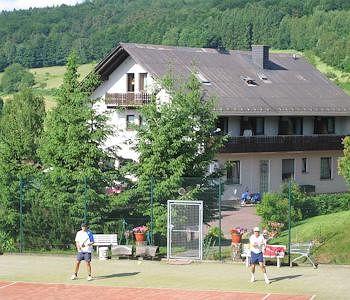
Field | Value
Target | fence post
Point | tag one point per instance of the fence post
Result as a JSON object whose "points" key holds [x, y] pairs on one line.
{"points": [[219, 199], [21, 200], [289, 221], [85, 200], [151, 231]]}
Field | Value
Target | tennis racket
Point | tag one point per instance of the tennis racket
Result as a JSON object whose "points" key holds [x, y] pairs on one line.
{"points": [[83, 244]]}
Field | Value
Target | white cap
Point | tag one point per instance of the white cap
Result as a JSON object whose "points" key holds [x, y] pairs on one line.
{"points": [[256, 229]]}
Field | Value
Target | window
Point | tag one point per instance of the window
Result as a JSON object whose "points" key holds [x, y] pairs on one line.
{"points": [[222, 123], [252, 126], [130, 121], [131, 82], [290, 126], [202, 79], [324, 125], [287, 169], [233, 172], [304, 165], [249, 81], [326, 168], [263, 77], [142, 82]]}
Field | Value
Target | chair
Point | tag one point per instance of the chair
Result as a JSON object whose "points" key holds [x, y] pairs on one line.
{"points": [[304, 251]]}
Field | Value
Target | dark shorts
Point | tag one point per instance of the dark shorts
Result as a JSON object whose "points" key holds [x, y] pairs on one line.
{"points": [[256, 258], [84, 256]]}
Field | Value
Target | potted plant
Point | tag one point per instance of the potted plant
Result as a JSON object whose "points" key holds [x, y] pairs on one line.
{"points": [[140, 233], [236, 234]]}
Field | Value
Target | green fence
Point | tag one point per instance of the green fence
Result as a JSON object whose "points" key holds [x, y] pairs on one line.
{"points": [[47, 214]]}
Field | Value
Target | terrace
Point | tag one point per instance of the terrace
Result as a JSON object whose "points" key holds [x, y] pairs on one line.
{"points": [[279, 143], [129, 99]]}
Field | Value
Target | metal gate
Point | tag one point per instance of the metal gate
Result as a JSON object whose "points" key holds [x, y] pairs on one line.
{"points": [[184, 236]]}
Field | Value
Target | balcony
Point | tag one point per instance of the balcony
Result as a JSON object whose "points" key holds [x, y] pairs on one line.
{"points": [[129, 99], [280, 143]]}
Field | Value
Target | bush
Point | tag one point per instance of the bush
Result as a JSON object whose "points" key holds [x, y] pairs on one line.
{"points": [[15, 78], [213, 235], [328, 203], [274, 206], [7, 243]]}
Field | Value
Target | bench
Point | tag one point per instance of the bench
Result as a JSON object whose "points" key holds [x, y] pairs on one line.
{"points": [[304, 251], [105, 240], [271, 251], [144, 250]]}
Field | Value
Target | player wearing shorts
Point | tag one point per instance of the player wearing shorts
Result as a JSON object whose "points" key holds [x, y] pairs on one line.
{"points": [[84, 240], [257, 246]]}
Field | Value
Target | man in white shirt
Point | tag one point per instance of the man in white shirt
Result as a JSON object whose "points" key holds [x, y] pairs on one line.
{"points": [[84, 240], [257, 246]]}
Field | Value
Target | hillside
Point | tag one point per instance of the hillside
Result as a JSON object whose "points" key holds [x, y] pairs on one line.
{"points": [[330, 233], [45, 36]]}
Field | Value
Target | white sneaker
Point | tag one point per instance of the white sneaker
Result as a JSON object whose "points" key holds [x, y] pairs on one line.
{"points": [[267, 281], [89, 278], [252, 279], [73, 277]]}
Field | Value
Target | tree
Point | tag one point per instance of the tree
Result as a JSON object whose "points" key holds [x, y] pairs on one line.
{"points": [[21, 125], [15, 78], [71, 152], [344, 162], [1, 105], [176, 142]]}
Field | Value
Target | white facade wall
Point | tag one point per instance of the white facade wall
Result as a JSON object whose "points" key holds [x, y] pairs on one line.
{"points": [[123, 139], [250, 172]]}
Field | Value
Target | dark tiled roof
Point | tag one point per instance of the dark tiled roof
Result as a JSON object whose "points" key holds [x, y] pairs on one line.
{"points": [[295, 87]]}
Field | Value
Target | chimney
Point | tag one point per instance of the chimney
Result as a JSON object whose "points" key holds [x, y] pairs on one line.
{"points": [[260, 56]]}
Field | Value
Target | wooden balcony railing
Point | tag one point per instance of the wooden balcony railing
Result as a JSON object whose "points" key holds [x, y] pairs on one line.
{"points": [[280, 143], [127, 99]]}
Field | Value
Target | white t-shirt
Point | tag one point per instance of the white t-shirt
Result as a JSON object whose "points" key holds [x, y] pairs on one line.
{"points": [[84, 237], [256, 243]]}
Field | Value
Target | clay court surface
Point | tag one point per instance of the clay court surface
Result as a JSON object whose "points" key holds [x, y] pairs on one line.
{"points": [[24, 290], [47, 277]]}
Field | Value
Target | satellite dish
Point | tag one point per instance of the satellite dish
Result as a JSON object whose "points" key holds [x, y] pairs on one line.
{"points": [[181, 191]]}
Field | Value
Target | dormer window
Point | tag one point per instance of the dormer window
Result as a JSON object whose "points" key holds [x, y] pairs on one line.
{"points": [[263, 77], [249, 81], [202, 79]]}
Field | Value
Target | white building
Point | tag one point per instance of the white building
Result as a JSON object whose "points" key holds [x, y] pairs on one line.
{"points": [[285, 118]]}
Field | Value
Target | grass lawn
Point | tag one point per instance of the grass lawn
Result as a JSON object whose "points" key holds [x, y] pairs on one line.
{"points": [[331, 234], [327, 282], [50, 78]]}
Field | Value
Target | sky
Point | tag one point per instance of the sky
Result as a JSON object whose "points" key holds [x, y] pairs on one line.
{"points": [[24, 4]]}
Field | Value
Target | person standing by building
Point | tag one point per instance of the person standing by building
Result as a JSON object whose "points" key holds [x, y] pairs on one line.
{"points": [[257, 245], [84, 240]]}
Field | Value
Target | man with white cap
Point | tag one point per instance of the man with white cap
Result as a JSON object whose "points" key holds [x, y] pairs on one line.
{"points": [[257, 247]]}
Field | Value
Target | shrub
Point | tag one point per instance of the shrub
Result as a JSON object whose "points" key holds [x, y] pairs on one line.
{"points": [[213, 234], [15, 78], [274, 206], [7, 243]]}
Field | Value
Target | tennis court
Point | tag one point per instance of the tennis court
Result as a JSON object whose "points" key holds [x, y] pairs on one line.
{"points": [[48, 277], [31, 291]]}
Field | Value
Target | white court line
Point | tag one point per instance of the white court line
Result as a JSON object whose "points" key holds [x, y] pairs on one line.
{"points": [[1, 287], [266, 296], [313, 297]]}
